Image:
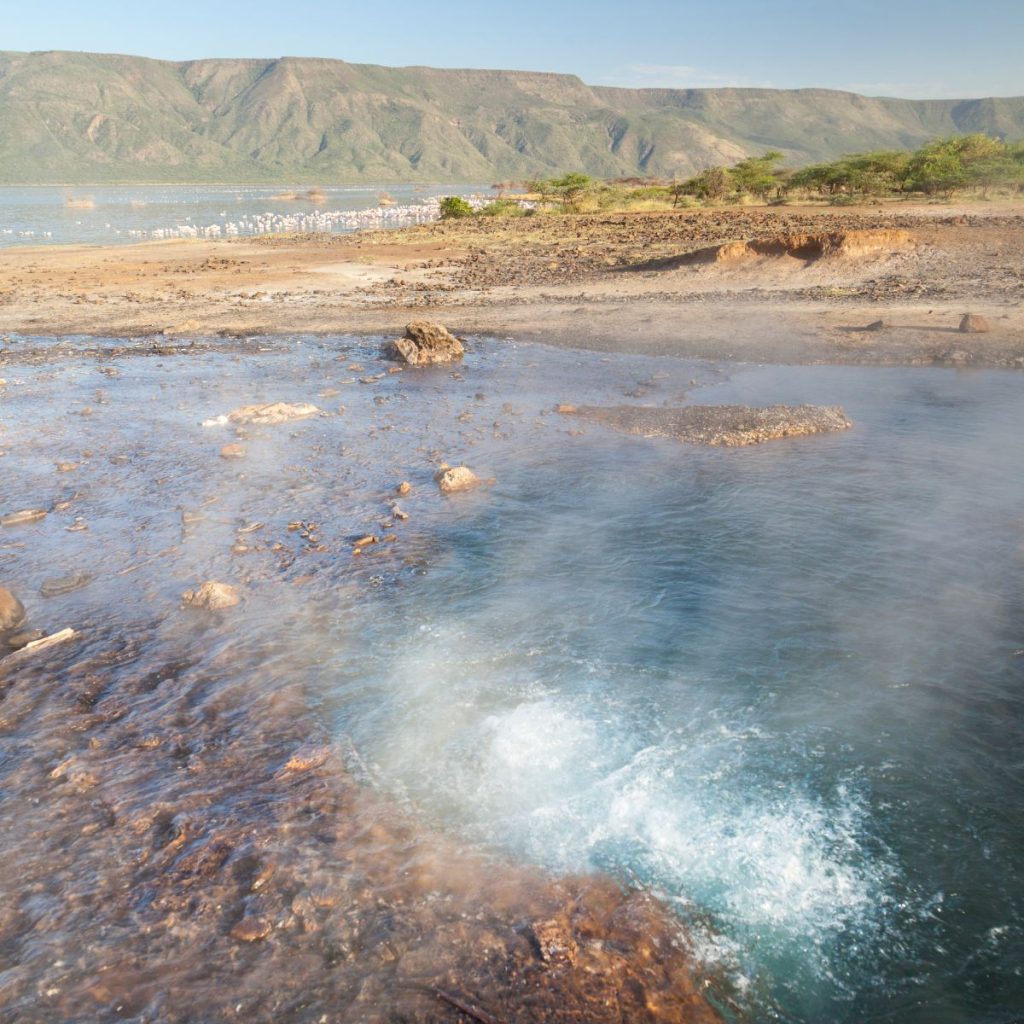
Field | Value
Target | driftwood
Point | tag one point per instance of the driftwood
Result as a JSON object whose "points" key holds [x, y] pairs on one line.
{"points": [[42, 643]]}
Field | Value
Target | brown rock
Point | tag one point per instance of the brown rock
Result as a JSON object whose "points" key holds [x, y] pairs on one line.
{"points": [[272, 413], [28, 515], [251, 929], [404, 487], [556, 941], [12, 611], [971, 323], [425, 343], [212, 596], [232, 451], [457, 478]]}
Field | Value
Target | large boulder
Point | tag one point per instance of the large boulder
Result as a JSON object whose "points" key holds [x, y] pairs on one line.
{"points": [[425, 343], [12, 611]]}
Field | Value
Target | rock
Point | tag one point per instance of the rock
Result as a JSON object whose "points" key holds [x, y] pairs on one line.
{"points": [[19, 640], [566, 410], [251, 929], [272, 413], [364, 542], [456, 478], [28, 515], [403, 488], [971, 323], [232, 451], [556, 941], [185, 327], [12, 611], [212, 596], [57, 586], [425, 343]]}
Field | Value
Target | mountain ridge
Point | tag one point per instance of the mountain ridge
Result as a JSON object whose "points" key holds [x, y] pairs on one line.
{"points": [[68, 117]]}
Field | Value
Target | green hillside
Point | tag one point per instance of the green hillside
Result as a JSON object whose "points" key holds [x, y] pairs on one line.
{"points": [[83, 117]]}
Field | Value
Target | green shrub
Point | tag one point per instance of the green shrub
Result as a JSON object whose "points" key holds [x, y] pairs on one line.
{"points": [[455, 206], [503, 208]]}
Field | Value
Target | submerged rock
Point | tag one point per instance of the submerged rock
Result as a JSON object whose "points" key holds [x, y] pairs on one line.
{"points": [[57, 586], [251, 929], [212, 596], [425, 343], [272, 413], [12, 611], [451, 479], [232, 451], [971, 323], [17, 641], [726, 425], [25, 516]]}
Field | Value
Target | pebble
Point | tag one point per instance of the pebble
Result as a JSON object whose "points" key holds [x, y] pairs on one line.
{"points": [[404, 487], [232, 451]]}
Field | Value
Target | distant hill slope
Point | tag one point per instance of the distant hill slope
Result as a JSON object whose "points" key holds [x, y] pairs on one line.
{"points": [[84, 117]]}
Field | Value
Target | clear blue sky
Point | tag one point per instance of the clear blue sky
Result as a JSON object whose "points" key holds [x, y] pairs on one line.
{"points": [[943, 48]]}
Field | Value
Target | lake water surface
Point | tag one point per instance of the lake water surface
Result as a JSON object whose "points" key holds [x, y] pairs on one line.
{"points": [[781, 687], [104, 214]]}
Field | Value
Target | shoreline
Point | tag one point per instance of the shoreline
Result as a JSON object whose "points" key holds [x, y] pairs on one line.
{"points": [[608, 282]]}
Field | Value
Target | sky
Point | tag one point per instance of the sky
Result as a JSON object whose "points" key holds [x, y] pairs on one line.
{"points": [[914, 49]]}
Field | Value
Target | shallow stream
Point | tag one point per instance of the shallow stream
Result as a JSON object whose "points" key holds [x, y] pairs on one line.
{"points": [[779, 687]]}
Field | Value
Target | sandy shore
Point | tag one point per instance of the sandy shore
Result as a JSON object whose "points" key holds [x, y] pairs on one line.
{"points": [[605, 282]]}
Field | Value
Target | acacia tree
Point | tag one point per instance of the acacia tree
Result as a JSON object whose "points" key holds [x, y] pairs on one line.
{"points": [[758, 175], [714, 183]]}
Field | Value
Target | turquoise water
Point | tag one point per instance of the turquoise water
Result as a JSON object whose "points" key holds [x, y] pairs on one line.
{"points": [[780, 686]]}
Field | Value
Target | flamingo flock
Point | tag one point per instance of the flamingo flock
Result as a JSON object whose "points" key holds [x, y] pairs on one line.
{"points": [[306, 221]]}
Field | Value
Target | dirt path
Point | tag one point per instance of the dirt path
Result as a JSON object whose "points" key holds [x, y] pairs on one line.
{"points": [[608, 282]]}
